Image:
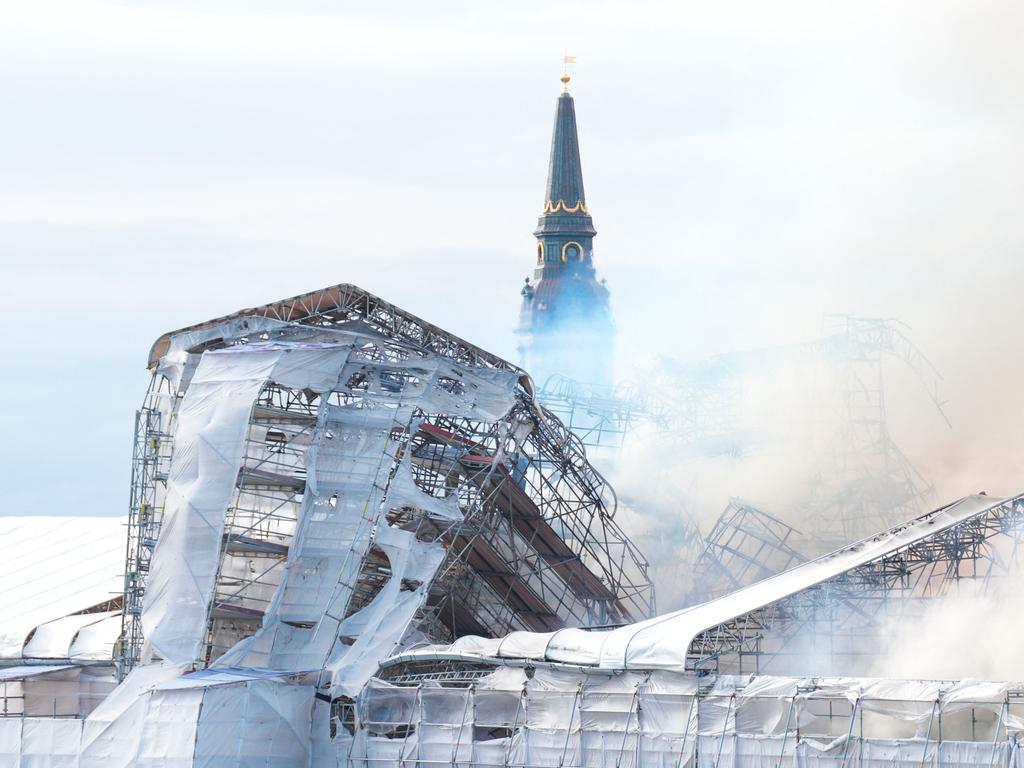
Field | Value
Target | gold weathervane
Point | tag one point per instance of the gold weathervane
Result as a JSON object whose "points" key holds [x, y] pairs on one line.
{"points": [[566, 61]]}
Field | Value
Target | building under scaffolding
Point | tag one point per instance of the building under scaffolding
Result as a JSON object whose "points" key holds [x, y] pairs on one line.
{"points": [[357, 540], [636, 696]]}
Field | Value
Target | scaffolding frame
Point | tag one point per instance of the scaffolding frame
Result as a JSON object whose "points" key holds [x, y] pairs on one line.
{"points": [[151, 457], [843, 617], [602, 415], [745, 545], [810, 717], [537, 547]]}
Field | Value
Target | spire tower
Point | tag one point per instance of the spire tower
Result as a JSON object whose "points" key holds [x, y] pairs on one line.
{"points": [[565, 323]]}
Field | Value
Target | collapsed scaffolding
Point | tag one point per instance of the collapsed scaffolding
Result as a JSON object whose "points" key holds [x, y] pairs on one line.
{"points": [[745, 545], [444, 437], [861, 481], [837, 610]]}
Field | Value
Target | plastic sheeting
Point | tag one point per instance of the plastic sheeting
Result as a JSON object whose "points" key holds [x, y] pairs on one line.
{"points": [[22, 671], [210, 434], [559, 717], [210, 678], [111, 734], [350, 486], [53, 640], [219, 719], [50, 742], [95, 642], [54, 567], [263, 714]]}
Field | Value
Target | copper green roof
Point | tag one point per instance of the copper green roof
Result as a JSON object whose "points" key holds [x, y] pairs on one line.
{"points": [[565, 174]]}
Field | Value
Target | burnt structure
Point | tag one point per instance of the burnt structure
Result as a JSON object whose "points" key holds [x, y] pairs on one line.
{"points": [[406, 428]]}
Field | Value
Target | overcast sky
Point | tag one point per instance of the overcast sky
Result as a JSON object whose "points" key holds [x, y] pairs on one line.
{"points": [[750, 167]]}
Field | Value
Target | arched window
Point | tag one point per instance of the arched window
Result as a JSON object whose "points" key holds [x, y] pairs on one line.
{"points": [[540, 253], [572, 251]]}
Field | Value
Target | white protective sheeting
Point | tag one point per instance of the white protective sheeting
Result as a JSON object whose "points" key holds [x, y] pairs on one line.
{"points": [[23, 671], [379, 626], [95, 642], [210, 434], [210, 678], [50, 742], [53, 640], [259, 723], [168, 734], [112, 732], [54, 567], [350, 486], [559, 717], [214, 718], [254, 716]]}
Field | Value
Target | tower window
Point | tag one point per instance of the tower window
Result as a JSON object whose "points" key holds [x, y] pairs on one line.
{"points": [[540, 253], [572, 252]]}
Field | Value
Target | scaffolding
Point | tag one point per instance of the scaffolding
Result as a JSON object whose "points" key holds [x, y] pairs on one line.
{"points": [[872, 484], [745, 545], [602, 415], [151, 456], [551, 715], [843, 622], [525, 523], [834, 615]]}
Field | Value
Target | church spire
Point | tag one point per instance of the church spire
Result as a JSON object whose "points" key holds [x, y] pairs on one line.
{"points": [[565, 203], [565, 324], [565, 172]]}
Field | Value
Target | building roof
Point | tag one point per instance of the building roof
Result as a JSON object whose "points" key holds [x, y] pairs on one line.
{"points": [[565, 203], [341, 305], [52, 569], [565, 173], [664, 641]]}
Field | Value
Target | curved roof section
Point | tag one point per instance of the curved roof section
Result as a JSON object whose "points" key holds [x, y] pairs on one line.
{"points": [[664, 641], [54, 570]]}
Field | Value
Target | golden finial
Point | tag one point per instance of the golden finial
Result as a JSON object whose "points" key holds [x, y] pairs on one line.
{"points": [[566, 61]]}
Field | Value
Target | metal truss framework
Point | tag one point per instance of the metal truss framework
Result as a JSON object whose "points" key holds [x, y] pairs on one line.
{"points": [[151, 458], [537, 547], [869, 484], [842, 621], [601, 416], [745, 545], [873, 484]]}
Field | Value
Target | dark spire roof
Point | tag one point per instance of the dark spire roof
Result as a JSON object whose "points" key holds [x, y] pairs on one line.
{"points": [[565, 205], [565, 174]]}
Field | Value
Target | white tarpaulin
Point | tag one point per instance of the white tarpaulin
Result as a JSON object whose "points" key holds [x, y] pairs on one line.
{"points": [[560, 717], [95, 642], [211, 430], [54, 567], [53, 640]]}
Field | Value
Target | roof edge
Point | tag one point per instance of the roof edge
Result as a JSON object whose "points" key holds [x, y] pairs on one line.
{"points": [[351, 299]]}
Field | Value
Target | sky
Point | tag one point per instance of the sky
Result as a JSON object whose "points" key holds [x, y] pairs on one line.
{"points": [[751, 167]]}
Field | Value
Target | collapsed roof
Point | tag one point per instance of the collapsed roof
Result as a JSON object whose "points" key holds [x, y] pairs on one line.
{"points": [[346, 477], [917, 559]]}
